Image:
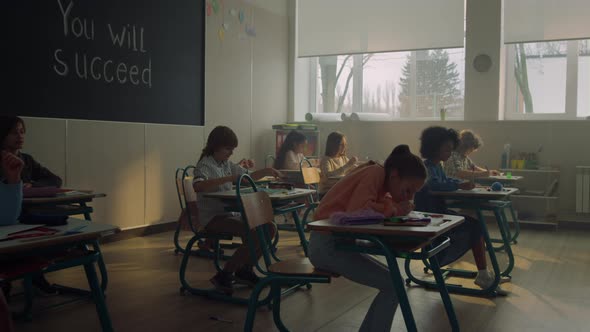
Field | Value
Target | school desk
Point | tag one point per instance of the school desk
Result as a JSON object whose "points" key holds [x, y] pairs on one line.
{"points": [[410, 242], [68, 203], [279, 199], [85, 233], [478, 199], [506, 181]]}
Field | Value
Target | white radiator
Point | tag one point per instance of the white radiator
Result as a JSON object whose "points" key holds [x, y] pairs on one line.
{"points": [[582, 189]]}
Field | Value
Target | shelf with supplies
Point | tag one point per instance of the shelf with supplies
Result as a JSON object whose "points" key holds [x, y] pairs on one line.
{"points": [[538, 198]]}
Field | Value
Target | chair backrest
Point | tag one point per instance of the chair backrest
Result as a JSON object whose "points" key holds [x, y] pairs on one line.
{"points": [[271, 158], [184, 185], [257, 209], [257, 212], [187, 196], [311, 175]]}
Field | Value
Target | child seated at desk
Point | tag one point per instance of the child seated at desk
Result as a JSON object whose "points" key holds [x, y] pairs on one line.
{"points": [[11, 194], [11, 189], [459, 164], [290, 154], [12, 137], [387, 189], [215, 172], [335, 163], [436, 146]]}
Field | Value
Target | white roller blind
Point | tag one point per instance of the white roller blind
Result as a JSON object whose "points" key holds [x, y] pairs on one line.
{"points": [[539, 20], [329, 27]]}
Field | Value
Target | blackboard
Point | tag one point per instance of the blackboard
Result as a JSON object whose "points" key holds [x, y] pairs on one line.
{"points": [[114, 60]]}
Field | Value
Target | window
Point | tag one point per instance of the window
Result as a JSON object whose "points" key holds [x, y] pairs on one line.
{"points": [[406, 85], [335, 84], [543, 78], [583, 78]]}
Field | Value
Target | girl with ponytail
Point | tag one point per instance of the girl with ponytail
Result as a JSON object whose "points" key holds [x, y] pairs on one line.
{"points": [[388, 189]]}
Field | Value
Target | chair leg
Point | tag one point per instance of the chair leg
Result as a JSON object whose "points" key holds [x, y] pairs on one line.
{"points": [[177, 247], [276, 307], [253, 304]]}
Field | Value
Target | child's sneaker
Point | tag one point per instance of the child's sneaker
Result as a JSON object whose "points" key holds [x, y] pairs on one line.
{"points": [[223, 282], [485, 279], [247, 276]]}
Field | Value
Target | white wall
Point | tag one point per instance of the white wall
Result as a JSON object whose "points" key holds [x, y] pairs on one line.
{"points": [[245, 88], [563, 143]]}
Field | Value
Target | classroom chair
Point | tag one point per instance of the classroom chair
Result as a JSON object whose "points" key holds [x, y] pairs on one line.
{"points": [[311, 179], [269, 253], [258, 213], [187, 199]]}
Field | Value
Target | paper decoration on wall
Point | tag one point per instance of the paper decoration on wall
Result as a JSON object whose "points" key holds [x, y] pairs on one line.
{"points": [[233, 12], [221, 34], [241, 16], [215, 5], [225, 26], [250, 30], [209, 8]]}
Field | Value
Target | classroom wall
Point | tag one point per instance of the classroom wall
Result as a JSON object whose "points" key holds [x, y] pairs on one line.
{"points": [[245, 88], [563, 143]]}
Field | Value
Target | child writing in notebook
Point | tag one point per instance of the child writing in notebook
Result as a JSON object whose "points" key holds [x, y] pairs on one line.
{"points": [[387, 189], [459, 165], [436, 146], [335, 163], [215, 172], [290, 154]]}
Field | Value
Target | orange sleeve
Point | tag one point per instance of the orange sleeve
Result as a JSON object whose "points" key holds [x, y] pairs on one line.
{"points": [[366, 196]]}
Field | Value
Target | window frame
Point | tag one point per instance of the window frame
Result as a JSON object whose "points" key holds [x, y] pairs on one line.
{"points": [[511, 111], [357, 91]]}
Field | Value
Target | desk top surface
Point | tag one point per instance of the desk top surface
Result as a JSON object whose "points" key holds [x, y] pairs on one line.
{"points": [[501, 178], [91, 230], [478, 192], [274, 194], [437, 226], [66, 197]]}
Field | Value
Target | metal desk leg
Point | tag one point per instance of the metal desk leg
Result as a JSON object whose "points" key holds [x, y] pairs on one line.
{"points": [[502, 226], [400, 290], [516, 225], [444, 293], [104, 277], [86, 214], [459, 289], [490, 248], [98, 297]]}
